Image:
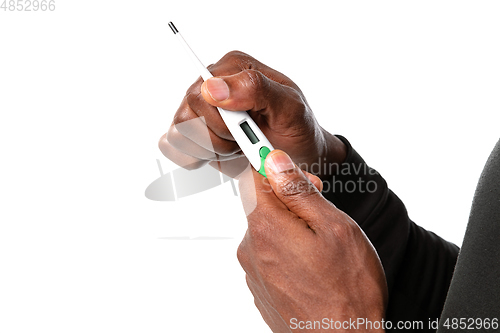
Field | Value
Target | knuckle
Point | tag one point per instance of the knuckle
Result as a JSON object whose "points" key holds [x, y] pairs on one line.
{"points": [[163, 142], [297, 188], [193, 166], [297, 99], [228, 149], [236, 56], [242, 254], [257, 83], [195, 87], [258, 227], [177, 156], [173, 135], [250, 283], [195, 101], [256, 301], [182, 115], [295, 193], [239, 60], [344, 229]]}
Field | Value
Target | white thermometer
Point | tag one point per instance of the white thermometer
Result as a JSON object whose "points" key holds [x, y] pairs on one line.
{"points": [[243, 128]]}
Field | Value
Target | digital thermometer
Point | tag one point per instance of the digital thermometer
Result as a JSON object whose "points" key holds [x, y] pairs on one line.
{"points": [[243, 128]]}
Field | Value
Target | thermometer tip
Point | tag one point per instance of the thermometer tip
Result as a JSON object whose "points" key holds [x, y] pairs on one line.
{"points": [[172, 26]]}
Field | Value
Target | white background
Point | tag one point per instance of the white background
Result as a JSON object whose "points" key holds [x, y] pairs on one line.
{"points": [[87, 90]]}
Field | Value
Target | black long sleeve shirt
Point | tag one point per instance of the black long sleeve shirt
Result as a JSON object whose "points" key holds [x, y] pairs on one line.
{"points": [[418, 264]]}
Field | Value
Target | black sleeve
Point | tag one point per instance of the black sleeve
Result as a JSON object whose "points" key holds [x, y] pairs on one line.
{"points": [[474, 294], [418, 264]]}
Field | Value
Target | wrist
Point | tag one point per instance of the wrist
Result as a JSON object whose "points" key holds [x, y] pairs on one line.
{"points": [[333, 155]]}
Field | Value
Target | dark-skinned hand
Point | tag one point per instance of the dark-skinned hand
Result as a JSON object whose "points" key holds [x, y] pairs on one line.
{"points": [[277, 105], [305, 260]]}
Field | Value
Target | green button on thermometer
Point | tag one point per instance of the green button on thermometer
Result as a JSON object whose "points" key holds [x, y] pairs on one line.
{"points": [[263, 152]]}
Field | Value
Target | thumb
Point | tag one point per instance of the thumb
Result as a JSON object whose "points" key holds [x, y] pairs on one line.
{"points": [[294, 188], [248, 90]]}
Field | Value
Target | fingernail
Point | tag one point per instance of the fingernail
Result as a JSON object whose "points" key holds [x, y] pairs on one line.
{"points": [[218, 89], [281, 162]]}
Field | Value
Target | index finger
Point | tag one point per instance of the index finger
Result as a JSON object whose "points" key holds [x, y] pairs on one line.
{"points": [[236, 61]]}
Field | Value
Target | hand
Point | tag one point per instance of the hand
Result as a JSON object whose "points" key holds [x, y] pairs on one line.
{"points": [[275, 103], [305, 260]]}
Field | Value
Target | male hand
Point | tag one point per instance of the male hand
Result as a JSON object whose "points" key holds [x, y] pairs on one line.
{"points": [[306, 260], [275, 103]]}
